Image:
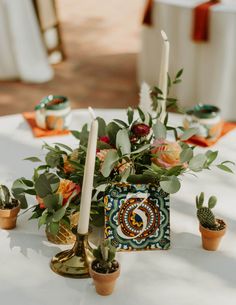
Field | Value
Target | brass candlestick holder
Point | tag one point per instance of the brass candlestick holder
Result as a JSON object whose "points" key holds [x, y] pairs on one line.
{"points": [[75, 262]]}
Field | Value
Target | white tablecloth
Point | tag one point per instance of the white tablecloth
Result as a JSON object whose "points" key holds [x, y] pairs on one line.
{"points": [[184, 275], [22, 52], [209, 68]]}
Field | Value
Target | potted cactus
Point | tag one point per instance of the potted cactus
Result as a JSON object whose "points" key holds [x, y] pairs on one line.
{"points": [[9, 208], [104, 269], [211, 228]]}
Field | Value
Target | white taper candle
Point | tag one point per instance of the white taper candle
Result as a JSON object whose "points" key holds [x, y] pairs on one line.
{"points": [[86, 195], [163, 80]]}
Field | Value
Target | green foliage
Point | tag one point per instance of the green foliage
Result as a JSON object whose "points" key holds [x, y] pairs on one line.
{"points": [[46, 184], [33, 159], [20, 187], [159, 130], [123, 141], [109, 163], [196, 164], [188, 134], [204, 213], [112, 130], [170, 185], [130, 115], [101, 127], [171, 102], [186, 155]]}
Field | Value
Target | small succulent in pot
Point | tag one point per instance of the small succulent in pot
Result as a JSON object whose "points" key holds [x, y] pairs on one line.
{"points": [[9, 208], [105, 269], [211, 228]]}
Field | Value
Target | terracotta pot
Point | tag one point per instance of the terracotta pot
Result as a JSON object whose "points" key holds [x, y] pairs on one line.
{"points": [[211, 238], [104, 283], [64, 235], [8, 217]]}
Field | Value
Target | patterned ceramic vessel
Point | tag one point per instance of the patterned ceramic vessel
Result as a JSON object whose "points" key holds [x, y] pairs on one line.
{"points": [[137, 217], [53, 112], [206, 118]]}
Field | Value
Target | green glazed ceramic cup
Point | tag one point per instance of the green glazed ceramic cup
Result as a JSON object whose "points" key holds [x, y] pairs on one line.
{"points": [[206, 118], [53, 112]]}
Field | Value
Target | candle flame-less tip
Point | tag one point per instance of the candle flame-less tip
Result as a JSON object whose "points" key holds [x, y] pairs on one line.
{"points": [[92, 113], [164, 36]]}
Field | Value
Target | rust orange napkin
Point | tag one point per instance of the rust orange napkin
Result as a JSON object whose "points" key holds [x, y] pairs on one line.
{"points": [[147, 15], [227, 127], [201, 17], [39, 132]]}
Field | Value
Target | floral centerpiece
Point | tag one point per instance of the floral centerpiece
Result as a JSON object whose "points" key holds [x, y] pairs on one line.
{"points": [[141, 149]]}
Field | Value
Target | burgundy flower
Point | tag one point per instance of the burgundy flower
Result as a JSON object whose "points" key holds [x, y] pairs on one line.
{"points": [[104, 139], [140, 130]]}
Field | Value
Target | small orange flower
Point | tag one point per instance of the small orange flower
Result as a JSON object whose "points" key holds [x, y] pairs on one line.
{"points": [[40, 201], [67, 188], [67, 166]]}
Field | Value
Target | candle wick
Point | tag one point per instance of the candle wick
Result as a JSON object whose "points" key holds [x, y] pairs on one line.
{"points": [[164, 36], [92, 113]]}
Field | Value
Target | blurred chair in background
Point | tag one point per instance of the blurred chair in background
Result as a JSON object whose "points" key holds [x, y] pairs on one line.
{"points": [[47, 15]]}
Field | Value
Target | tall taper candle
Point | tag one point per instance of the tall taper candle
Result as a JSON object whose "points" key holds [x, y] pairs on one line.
{"points": [[163, 80], [87, 187]]}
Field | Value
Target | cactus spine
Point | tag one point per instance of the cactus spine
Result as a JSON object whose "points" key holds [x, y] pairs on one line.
{"points": [[204, 213]]}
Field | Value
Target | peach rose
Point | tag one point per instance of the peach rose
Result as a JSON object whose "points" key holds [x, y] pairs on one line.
{"points": [[67, 188], [167, 153]]}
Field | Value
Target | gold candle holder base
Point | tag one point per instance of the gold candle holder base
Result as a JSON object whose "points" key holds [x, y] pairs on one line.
{"points": [[75, 262]]}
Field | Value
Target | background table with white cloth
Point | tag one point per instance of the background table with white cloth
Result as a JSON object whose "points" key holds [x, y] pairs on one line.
{"points": [[186, 274], [209, 67]]}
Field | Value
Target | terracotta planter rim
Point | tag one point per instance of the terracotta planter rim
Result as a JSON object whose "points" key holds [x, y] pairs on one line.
{"points": [[212, 233], [10, 212], [117, 271]]}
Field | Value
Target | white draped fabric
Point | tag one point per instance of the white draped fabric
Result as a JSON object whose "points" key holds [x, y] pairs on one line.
{"points": [[22, 52], [209, 67], [184, 275]]}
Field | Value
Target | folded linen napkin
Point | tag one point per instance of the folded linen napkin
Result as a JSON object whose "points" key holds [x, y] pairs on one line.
{"points": [[200, 141], [201, 18], [39, 132]]}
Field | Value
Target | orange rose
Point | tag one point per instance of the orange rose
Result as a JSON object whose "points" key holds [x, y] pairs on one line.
{"points": [[67, 188], [167, 153]]}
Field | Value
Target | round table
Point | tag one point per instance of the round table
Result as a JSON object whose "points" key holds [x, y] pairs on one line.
{"points": [[186, 274], [209, 67]]}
